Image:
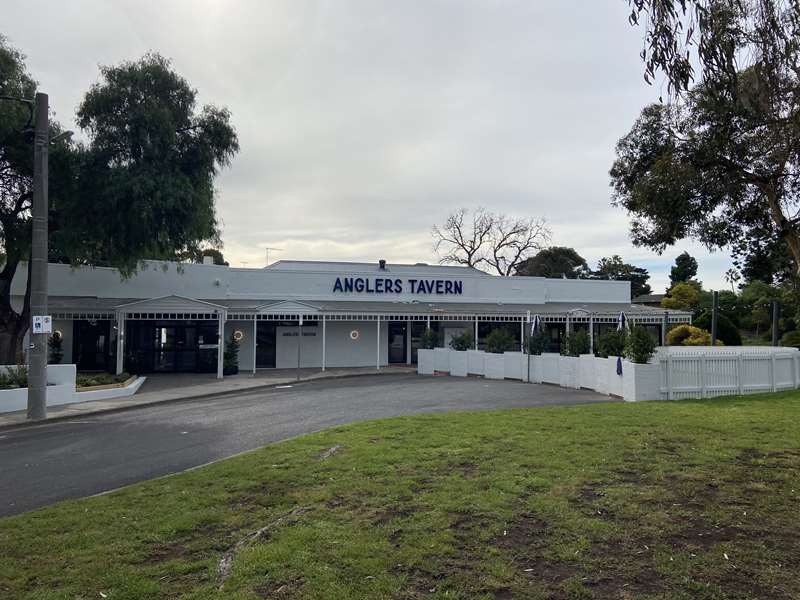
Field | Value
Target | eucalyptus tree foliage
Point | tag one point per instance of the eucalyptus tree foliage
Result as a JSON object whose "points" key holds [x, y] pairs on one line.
{"points": [[141, 187], [555, 261], [17, 90], [720, 161], [149, 173]]}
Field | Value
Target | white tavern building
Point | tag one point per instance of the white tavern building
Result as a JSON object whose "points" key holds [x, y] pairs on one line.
{"points": [[169, 317]]}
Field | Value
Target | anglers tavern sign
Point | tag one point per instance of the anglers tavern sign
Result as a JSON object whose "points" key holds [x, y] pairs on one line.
{"points": [[385, 285]]}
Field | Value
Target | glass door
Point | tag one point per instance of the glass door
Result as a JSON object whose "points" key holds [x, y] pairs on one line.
{"points": [[90, 345], [164, 348], [397, 342], [265, 345]]}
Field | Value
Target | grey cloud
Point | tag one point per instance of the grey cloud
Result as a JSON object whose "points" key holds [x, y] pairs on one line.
{"points": [[363, 123]]}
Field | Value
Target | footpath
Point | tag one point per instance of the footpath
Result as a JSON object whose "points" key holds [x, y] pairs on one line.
{"points": [[158, 389]]}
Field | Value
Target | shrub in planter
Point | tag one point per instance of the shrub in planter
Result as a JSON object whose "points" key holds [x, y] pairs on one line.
{"points": [[689, 335], [640, 345], [230, 359], [429, 339], [465, 341], [791, 338], [726, 330], [611, 343], [14, 377], [576, 343], [499, 340], [56, 351], [537, 343]]}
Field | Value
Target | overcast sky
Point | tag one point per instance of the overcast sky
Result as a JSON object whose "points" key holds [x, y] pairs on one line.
{"points": [[363, 123]]}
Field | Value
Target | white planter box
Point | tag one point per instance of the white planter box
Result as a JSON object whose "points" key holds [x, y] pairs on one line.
{"points": [[613, 380], [641, 382], [11, 400], [425, 361], [513, 365], [601, 375], [475, 360], [536, 368], [568, 372], [550, 367], [586, 371], [441, 360], [60, 389], [458, 363], [494, 366], [120, 392]]}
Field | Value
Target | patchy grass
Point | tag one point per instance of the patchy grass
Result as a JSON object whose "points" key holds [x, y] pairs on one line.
{"points": [[692, 499]]}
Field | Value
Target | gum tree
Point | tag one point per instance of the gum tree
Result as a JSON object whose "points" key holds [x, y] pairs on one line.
{"points": [[141, 187], [720, 161]]}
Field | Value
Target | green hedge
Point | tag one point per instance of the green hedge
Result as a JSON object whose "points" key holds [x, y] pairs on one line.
{"points": [[726, 330]]}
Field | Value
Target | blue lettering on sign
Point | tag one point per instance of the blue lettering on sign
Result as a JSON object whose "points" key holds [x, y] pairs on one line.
{"points": [[380, 285]]}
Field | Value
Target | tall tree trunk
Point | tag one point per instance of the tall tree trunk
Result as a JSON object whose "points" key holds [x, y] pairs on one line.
{"points": [[12, 333], [13, 325], [788, 232]]}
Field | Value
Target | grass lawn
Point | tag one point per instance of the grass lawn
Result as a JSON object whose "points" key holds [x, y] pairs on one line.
{"points": [[691, 499]]}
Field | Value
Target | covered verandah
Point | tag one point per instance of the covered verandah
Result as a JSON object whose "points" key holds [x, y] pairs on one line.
{"points": [[324, 335]]}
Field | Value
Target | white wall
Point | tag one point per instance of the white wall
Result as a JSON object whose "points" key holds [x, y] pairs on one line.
{"points": [[341, 350], [210, 282], [245, 345]]}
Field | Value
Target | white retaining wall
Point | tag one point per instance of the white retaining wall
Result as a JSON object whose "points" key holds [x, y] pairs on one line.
{"points": [[61, 390], [675, 372]]}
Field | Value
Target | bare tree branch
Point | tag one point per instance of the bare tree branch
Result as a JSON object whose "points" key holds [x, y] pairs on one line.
{"points": [[498, 241]]}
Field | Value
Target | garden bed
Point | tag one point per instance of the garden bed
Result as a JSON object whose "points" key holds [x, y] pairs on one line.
{"points": [[86, 382]]}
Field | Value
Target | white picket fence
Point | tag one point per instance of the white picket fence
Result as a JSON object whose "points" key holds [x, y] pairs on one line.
{"points": [[705, 372], [674, 372]]}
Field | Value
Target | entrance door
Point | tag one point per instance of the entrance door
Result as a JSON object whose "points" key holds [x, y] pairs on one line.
{"points": [[164, 346], [397, 342], [265, 345], [90, 345]]}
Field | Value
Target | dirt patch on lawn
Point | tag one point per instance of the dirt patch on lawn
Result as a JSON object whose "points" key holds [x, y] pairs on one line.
{"points": [[203, 542], [281, 589]]}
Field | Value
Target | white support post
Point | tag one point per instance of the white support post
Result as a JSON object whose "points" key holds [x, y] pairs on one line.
{"points": [[378, 344], [476, 333], [703, 376], [772, 369], [740, 372], [323, 341], [591, 334], [120, 342], [408, 342], [522, 336], [796, 370], [255, 339], [220, 345], [670, 378]]}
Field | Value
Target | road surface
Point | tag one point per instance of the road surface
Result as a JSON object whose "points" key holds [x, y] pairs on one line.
{"points": [[70, 459]]}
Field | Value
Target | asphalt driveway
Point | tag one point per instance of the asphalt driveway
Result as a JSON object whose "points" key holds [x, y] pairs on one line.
{"points": [[69, 459]]}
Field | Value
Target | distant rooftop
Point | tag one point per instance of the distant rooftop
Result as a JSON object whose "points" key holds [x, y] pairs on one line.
{"points": [[649, 299], [373, 267]]}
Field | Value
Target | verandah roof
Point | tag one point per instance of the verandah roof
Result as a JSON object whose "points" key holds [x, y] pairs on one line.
{"points": [[99, 308]]}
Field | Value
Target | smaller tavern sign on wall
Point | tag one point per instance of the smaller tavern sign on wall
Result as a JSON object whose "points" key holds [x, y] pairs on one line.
{"points": [[382, 285]]}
